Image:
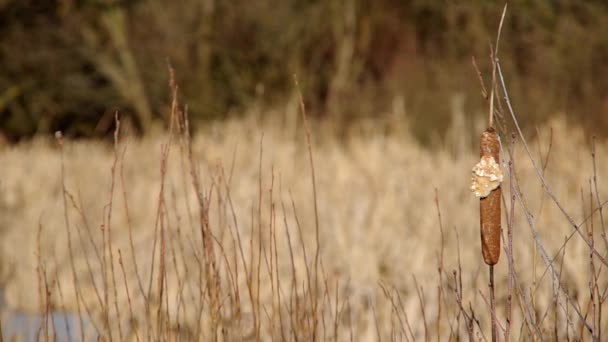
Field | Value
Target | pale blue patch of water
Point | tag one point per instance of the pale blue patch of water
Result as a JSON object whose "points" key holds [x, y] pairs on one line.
{"points": [[27, 326]]}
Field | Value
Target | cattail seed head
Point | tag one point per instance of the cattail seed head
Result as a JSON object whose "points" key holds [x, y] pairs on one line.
{"points": [[487, 177]]}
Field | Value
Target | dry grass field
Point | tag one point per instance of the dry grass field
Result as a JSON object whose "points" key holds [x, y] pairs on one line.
{"points": [[225, 236]]}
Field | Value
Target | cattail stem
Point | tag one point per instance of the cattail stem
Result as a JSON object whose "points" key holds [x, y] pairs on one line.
{"points": [[493, 304]]}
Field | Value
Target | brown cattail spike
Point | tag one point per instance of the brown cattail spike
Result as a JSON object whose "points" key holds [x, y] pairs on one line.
{"points": [[489, 206]]}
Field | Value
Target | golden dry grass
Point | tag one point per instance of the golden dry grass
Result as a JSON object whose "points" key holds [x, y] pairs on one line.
{"points": [[386, 263]]}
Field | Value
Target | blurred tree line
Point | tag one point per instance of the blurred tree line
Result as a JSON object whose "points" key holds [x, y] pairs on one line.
{"points": [[70, 64]]}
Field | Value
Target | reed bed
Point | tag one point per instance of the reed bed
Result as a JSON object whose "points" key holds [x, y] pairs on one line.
{"points": [[137, 268]]}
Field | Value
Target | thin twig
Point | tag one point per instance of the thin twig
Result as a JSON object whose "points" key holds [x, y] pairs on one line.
{"points": [[510, 226], [316, 209], [597, 194], [60, 141], [494, 65], [544, 182]]}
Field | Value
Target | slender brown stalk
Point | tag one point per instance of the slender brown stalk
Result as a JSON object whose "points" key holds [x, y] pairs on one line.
{"points": [[62, 302], [109, 218], [458, 292], [161, 270], [493, 304], [592, 272], [403, 319], [314, 194], [597, 194], [40, 271], [124, 276], [259, 256], [440, 267], [60, 141], [294, 282], [510, 224], [130, 226], [494, 59], [420, 292]]}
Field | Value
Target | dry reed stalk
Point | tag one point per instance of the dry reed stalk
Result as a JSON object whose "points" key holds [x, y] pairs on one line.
{"points": [[109, 218], [316, 209], [132, 318], [64, 191], [510, 225]]}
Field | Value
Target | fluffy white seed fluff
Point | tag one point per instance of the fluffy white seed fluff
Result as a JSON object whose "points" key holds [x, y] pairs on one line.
{"points": [[487, 176]]}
